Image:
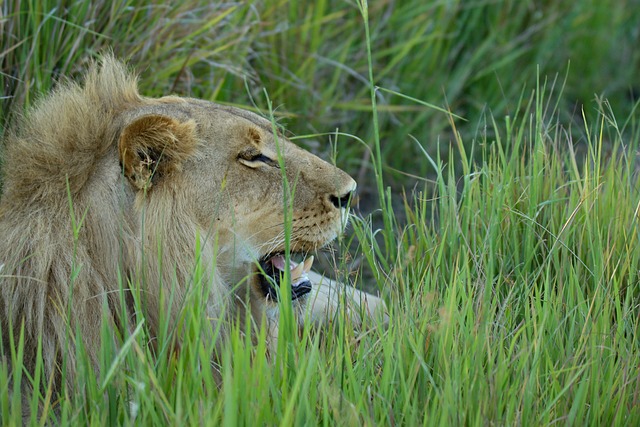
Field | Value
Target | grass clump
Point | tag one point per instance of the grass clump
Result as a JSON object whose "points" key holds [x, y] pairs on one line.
{"points": [[515, 283]]}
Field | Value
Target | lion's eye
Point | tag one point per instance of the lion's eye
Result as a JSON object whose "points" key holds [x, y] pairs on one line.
{"points": [[260, 158], [254, 159]]}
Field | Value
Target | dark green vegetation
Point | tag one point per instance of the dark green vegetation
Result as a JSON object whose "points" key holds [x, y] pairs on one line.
{"points": [[511, 272]]}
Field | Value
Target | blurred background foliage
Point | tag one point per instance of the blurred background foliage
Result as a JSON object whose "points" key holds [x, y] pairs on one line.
{"points": [[511, 273], [477, 58]]}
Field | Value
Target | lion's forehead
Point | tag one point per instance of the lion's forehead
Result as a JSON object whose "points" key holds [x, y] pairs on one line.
{"points": [[207, 111]]}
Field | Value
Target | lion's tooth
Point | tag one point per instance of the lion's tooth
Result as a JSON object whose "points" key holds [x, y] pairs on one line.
{"points": [[307, 264], [297, 272]]}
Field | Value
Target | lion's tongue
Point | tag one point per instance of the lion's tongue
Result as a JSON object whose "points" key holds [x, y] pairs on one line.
{"points": [[298, 270]]}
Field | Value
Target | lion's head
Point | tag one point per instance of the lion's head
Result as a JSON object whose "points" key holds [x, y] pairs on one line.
{"points": [[106, 190], [233, 175]]}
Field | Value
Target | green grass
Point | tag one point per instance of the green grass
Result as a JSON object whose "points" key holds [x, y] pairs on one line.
{"points": [[510, 264]]}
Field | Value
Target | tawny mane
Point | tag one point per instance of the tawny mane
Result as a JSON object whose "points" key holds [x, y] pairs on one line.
{"points": [[59, 141], [51, 180]]}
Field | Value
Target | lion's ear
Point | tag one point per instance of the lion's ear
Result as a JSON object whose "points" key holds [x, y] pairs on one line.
{"points": [[153, 146]]}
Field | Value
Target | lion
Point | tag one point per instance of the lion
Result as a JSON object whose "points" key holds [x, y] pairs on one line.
{"points": [[110, 199]]}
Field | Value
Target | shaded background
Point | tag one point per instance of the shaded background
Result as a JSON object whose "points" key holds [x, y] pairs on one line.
{"points": [[480, 59]]}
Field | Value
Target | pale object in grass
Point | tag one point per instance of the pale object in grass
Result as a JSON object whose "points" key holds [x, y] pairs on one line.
{"points": [[329, 301]]}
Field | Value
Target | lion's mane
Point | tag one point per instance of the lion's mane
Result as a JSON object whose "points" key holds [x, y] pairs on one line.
{"points": [[64, 221]]}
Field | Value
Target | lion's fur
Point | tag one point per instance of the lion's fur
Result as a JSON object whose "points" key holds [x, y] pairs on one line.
{"points": [[107, 190], [55, 151]]}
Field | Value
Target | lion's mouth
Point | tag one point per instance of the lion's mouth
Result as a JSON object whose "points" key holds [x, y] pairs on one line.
{"points": [[273, 268]]}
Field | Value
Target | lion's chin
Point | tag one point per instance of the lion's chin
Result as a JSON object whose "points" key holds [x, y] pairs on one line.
{"points": [[272, 272]]}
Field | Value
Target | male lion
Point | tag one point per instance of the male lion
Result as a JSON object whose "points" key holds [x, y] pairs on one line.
{"points": [[109, 197]]}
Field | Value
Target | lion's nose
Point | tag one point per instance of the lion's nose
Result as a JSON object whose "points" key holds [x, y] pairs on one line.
{"points": [[343, 200]]}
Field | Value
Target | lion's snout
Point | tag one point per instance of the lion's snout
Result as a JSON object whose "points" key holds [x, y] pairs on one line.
{"points": [[344, 191]]}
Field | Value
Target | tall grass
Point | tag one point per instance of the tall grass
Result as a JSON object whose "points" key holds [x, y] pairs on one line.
{"points": [[513, 297], [511, 269]]}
